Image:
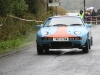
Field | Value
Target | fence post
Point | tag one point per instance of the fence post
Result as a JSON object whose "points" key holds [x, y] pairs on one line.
{"points": [[91, 19], [96, 20]]}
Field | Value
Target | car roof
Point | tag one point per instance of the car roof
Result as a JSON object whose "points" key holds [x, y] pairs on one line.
{"points": [[61, 16], [72, 14]]}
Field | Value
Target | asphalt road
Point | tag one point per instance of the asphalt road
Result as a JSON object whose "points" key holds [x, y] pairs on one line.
{"points": [[58, 62]]}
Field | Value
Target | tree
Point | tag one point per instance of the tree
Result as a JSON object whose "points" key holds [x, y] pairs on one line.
{"points": [[35, 5], [4, 7], [19, 7], [50, 1]]}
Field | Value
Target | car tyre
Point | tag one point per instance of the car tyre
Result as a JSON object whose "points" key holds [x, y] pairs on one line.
{"points": [[39, 49], [86, 48], [91, 41], [46, 50], [89, 44]]}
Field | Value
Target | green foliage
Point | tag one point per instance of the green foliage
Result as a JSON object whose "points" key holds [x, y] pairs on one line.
{"points": [[4, 7], [33, 6], [13, 28], [15, 32], [19, 7], [9, 45], [36, 5], [50, 1]]}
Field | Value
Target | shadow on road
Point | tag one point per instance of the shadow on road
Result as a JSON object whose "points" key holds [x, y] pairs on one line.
{"points": [[61, 52]]}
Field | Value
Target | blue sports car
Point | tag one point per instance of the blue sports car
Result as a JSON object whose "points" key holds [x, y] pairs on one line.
{"points": [[64, 32]]}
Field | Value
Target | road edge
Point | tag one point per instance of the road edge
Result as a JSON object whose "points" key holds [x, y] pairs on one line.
{"points": [[16, 50]]}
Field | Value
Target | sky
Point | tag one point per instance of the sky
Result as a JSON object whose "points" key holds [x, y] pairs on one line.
{"points": [[79, 4]]}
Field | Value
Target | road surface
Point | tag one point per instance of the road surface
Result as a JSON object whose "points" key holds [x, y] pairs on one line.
{"points": [[57, 62]]}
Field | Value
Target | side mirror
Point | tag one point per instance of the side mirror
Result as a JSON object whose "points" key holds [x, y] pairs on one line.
{"points": [[89, 25], [38, 26], [41, 25]]}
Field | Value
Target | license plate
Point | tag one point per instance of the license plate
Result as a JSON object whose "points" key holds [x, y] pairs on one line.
{"points": [[60, 39]]}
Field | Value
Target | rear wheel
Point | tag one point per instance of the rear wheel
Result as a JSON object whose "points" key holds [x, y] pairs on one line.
{"points": [[86, 48], [39, 49]]}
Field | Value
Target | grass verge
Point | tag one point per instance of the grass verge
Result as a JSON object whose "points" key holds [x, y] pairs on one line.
{"points": [[10, 45]]}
